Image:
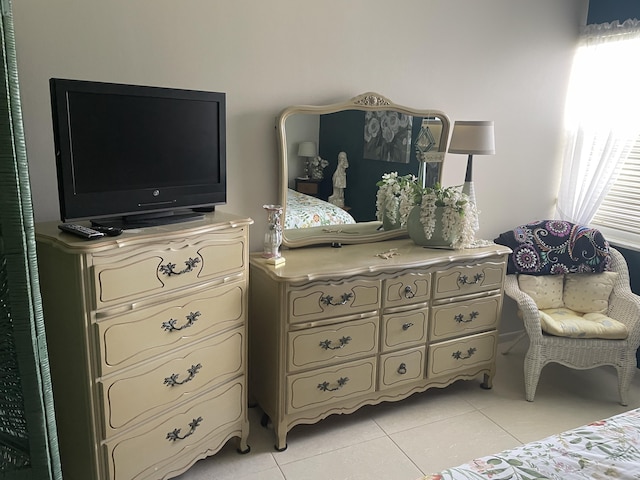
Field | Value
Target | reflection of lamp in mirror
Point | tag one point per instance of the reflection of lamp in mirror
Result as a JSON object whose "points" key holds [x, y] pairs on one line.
{"points": [[472, 138], [307, 150], [424, 143]]}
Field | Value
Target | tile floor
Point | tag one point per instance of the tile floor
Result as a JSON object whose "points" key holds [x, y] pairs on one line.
{"points": [[428, 431]]}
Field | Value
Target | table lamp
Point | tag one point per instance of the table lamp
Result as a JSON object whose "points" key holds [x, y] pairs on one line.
{"points": [[307, 150], [472, 138]]}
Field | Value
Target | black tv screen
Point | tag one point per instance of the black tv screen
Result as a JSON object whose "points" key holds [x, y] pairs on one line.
{"points": [[123, 151]]}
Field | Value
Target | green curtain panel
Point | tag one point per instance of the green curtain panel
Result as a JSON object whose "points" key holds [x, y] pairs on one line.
{"points": [[28, 440]]}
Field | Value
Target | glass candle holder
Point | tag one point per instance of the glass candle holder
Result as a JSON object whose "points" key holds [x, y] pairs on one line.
{"points": [[273, 234]]}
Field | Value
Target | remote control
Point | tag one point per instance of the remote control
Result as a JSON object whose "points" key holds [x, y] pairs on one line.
{"points": [[81, 231], [110, 231]]}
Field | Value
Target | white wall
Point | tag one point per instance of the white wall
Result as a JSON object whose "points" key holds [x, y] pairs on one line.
{"points": [[502, 60]]}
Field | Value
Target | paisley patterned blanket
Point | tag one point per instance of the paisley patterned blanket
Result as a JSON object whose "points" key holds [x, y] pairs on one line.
{"points": [[555, 247], [608, 448]]}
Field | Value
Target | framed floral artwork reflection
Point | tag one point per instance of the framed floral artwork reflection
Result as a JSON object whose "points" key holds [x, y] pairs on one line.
{"points": [[387, 136]]}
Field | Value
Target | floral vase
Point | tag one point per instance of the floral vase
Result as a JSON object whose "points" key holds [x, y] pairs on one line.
{"points": [[273, 234], [416, 229]]}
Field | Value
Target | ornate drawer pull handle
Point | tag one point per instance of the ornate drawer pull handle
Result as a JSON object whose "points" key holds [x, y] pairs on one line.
{"points": [[407, 326], [464, 280], [458, 355], [324, 386], [402, 369], [459, 318], [168, 269], [328, 299], [326, 344], [170, 325], [172, 381], [175, 435], [408, 293]]}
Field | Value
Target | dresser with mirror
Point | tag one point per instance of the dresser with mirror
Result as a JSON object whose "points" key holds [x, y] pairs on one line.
{"points": [[358, 315], [377, 137]]}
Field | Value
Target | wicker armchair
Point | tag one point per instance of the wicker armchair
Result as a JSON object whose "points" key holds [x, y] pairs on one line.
{"points": [[583, 353]]}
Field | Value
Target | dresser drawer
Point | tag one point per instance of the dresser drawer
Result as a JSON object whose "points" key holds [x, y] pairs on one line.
{"points": [[153, 387], [401, 367], [331, 384], [149, 448], [321, 346], [327, 300], [462, 318], [463, 280], [151, 269], [446, 358], [404, 329], [407, 289], [126, 339]]}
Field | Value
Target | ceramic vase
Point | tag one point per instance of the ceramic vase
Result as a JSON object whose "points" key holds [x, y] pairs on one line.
{"points": [[388, 224], [416, 229], [273, 233]]}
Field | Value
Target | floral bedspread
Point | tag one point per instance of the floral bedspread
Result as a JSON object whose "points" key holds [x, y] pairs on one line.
{"points": [[304, 211], [608, 448]]}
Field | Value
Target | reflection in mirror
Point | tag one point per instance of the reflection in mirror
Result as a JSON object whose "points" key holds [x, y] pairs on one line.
{"points": [[327, 201]]}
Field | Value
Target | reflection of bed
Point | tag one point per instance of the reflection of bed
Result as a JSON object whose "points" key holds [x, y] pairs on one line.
{"points": [[303, 211], [609, 448]]}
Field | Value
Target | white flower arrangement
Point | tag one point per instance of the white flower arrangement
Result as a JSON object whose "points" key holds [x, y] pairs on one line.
{"points": [[459, 215], [316, 166], [398, 195]]}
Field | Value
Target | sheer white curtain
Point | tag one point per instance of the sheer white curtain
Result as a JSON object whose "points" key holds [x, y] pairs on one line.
{"points": [[602, 116]]}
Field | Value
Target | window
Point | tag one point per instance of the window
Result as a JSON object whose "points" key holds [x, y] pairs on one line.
{"points": [[600, 182], [619, 214]]}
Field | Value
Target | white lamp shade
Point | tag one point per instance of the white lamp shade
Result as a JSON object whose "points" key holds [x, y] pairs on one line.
{"points": [[473, 138], [307, 149]]}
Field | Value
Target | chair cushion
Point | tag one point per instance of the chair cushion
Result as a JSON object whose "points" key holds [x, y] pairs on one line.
{"points": [[564, 322], [545, 290], [555, 247], [588, 292]]}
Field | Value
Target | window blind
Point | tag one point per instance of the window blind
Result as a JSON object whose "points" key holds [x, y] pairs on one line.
{"points": [[619, 214]]}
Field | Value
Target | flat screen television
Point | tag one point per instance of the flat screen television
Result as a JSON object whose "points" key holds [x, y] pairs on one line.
{"points": [[133, 156]]}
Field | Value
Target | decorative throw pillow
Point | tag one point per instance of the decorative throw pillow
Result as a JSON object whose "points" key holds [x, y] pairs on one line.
{"points": [[564, 322], [555, 247], [545, 290], [588, 292]]}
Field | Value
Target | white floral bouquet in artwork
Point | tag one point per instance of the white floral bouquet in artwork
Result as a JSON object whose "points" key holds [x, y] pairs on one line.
{"points": [[387, 136]]}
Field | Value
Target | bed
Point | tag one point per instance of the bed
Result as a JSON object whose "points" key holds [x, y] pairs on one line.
{"points": [[304, 211], [608, 448]]}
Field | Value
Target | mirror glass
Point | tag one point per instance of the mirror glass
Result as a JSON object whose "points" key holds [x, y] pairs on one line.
{"points": [[332, 156]]}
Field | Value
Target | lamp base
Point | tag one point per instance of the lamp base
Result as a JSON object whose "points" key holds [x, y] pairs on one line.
{"points": [[468, 183], [470, 191]]}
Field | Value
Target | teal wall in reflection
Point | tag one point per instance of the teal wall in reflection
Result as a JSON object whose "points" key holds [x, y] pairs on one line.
{"points": [[345, 132]]}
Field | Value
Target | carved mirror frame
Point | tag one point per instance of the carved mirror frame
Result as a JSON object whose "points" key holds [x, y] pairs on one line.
{"points": [[361, 232]]}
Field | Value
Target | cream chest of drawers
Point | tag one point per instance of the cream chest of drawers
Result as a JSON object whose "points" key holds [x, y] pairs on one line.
{"points": [[147, 343], [335, 329]]}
